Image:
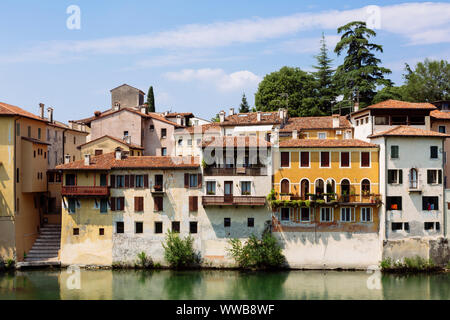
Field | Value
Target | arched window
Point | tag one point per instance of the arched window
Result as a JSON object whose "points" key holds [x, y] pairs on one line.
{"points": [[365, 187], [330, 189], [345, 190], [413, 181], [320, 188], [285, 186], [304, 189]]}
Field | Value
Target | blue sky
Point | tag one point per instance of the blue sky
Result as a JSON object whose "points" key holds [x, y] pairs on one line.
{"points": [[200, 56]]}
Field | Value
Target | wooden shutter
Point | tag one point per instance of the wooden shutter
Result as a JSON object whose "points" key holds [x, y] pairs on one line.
{"points": [[158, 202], [193, 203], [429, 177], [122, 203], [113, 181], [400, 176], [145, 180], [136, 204], [440, 176], [199, 180], [113, 204], [345, 159], [324, 159], [127, 181], [285, 159], [304, 159], [186, 180], [365, 159], [191, 206], [132, 178]]}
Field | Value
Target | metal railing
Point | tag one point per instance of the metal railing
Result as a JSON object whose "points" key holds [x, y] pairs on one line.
{"points": [[233, 200], [84, 191]]}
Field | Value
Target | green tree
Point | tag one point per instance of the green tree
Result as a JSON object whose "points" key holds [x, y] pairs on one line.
{"points": [[391, 92], [429, 81], [360, 74], [324, 77], [244, 108], [151, 100], [216, 118], [290, 88]]}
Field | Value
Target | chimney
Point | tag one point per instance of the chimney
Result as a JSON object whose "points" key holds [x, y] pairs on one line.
{"points": [[294, 134], [143, 109], [87, 159], [282, 114], [67, 158], [356, 106], [118, 154], [335, 121], [127, 139], [258, 116], [116, 106], [41, 110], [50, 114], [179, 120], [231, 111], [222, 116]]}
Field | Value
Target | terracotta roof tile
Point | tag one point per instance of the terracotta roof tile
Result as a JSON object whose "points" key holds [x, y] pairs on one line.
{"points": [[10, 110], [408, 131], [397, 104], [236, 141], [132, 145], [108, 161], [325, 143], [240, 119], [437, 114], [300, 123], [183, 114]]}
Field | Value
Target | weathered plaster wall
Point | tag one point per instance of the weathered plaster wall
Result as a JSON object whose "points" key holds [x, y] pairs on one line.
{"points": [[153, 141], [127, 96]]}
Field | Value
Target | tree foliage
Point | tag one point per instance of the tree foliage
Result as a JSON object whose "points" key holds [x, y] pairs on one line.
{"points": [[360, 73], [290, 88], [178, 252], [244, 107], [150, 100], [429, 81], [324, 77]]}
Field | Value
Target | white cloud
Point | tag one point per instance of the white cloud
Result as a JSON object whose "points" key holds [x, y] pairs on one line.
{"points": [[305, 45], [218, 77], [419, 23]]}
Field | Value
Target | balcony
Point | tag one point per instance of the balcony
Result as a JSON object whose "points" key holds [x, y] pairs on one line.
{"points": [[233, 201], [158, 189], [360, 199], [84, 191], [245, 171]]}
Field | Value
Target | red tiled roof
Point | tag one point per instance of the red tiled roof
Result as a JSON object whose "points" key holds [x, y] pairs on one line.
{"points": [[152, 115], [397, 104], [108, 161], [183, 114], [10, 110], [236, 141], [300, 123], [437, 114], [132, 145], [242, 119], [408, 131], [325, 143]]}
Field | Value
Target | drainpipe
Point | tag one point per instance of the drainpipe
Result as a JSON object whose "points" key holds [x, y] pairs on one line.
{"points": [[444, 211]]}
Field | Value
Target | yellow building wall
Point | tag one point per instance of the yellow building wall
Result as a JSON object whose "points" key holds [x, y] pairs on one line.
{"points": [[314, 134], [70, 146], [107, 145]]}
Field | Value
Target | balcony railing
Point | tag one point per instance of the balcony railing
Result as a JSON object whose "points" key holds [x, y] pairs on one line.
{"points": [[249, 171], [158, 189], [84, 191], [333, 198], [233, 201]]}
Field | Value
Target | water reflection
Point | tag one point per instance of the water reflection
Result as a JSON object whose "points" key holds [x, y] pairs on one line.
{"points": [[215, 284]]}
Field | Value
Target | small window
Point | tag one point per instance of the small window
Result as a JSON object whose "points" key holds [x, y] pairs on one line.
{"points": [[346, 215], [396, 226], [345, 159], [433, 152], [365, 159], [39, 133], [180, 142], [322, 135], [120, 227], [164, 151], [250, 222], [395, 176], [125, 133], [76, 231], [246, 188], [381, 120], [434, 176], [193, 181], [394, 203], [211, 187], [103, 206], [285, 188], [120, 181], [226, 222], [139, 181], [429, 226], [326, 214], [285, 163], [101, 231], [285, 214], [158, 227], [325, 159], [139, 227], [152, 128], [366, 214], [193, 227], [304, 214], [163, 132], [442, 129], [176, 226], [18, 129], [98, 152], [430, 203], [72, 205], [394, 152], [29, 132], [304, 159]]}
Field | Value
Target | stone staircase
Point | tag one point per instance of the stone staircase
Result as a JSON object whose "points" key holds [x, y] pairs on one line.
{"points": [[45, 249]]}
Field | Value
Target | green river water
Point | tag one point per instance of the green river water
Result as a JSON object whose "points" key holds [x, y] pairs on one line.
{"points": [[214, 284]]}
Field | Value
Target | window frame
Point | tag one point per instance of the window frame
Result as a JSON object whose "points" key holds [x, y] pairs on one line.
{"points": [[361, 214], [331, 213], [349, 159], [398, 152], [281, 159], [352, 214], [300, 163], [361, 159], [320, 159]]}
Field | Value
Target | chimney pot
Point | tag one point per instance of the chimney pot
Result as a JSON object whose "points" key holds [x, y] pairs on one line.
{"points": [[67, 158], [222, 116], [87, 159], [50, 114], [144, 109], [118, 154], [231, 111], [336, 121], [41, 110], [179, 120], [294, 134], [356, 106], [258, 116]]}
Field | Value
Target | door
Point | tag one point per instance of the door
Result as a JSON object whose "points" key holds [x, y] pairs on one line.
{"points": [[158, 182], [228, 191]]}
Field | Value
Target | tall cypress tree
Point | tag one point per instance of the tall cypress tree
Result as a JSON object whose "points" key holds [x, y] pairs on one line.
{"points": [[360, 73], [324, 77], [150, 100], [244, 108]]}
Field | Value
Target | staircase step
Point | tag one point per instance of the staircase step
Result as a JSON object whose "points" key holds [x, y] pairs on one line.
{"points": [[46, 246], [44, 251]]}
